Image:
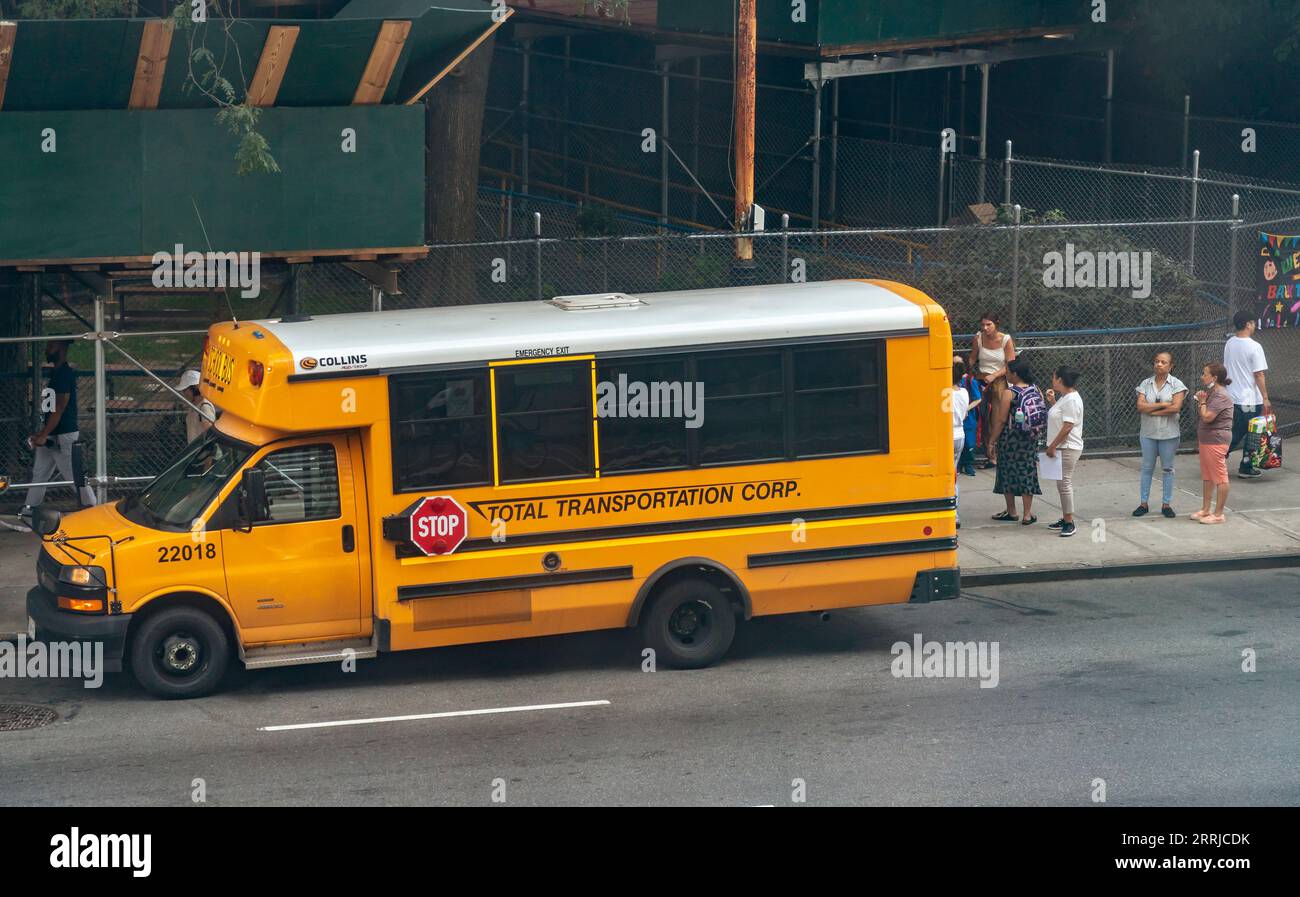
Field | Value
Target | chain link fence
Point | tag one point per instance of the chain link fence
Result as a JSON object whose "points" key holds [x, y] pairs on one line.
{"points": [[1143, 292]]}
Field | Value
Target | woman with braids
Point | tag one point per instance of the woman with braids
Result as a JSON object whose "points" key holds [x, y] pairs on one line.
{"points": [[1018, 424]]}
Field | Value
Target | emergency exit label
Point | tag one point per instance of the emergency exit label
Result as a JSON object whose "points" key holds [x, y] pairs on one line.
{"points": [[438, 525]]}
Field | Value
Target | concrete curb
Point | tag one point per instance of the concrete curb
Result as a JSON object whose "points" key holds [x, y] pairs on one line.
{"points": [[1007, 576]]}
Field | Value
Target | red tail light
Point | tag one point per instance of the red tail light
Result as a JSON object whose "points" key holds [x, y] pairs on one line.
{"points": [[255, 373]]}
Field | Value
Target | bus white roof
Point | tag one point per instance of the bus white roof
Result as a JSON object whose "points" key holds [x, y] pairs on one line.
{"points": [[374, 341]]}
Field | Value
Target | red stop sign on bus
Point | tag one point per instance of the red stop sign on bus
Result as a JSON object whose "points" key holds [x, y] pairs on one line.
{"points": [[438, 525]]}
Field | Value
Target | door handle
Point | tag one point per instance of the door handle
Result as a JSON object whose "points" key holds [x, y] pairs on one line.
{"points": [[349, 538]]}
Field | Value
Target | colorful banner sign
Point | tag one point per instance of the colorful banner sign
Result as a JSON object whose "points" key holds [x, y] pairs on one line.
{"points": [[1279, 280]]}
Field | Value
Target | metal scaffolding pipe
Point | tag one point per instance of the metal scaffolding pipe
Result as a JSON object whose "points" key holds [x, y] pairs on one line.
{"points": [[101, 398]]}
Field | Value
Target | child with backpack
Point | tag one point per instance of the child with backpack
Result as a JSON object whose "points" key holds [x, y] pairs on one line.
{"points": [[970, 424], [1019, 422]]}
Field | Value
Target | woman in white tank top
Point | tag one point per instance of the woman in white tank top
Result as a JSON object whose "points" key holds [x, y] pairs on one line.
{"points": [[990, 354]]}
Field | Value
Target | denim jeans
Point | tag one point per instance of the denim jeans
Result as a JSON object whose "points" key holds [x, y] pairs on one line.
{"points": [[958, 443], [1165, 448]]}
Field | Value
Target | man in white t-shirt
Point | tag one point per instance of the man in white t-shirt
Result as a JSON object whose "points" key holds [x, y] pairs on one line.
{"points": [[1244, 359]]}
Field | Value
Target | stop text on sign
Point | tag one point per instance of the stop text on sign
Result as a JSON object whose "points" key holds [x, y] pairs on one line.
{"points": [[438, 525]]}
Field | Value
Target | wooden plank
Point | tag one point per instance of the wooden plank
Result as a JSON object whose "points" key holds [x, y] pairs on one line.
{"points": [[8, 31], [272, 64], [460, 57], [383, 60], [267, 255], [151, 64]]}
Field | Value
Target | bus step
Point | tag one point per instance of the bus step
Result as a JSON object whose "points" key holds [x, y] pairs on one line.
{"points": [[311, 652]]}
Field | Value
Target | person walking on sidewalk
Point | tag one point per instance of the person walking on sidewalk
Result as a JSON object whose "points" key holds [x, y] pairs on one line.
{"points": [[970, 426], [1017, 426], [990, 354], [53, 442], [1159, 402], [1244, 360], [960, 405], [1065, 435], [1214, 407]]}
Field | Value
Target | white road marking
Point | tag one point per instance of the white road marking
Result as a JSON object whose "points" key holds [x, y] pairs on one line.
{"points": [[415, 716]]}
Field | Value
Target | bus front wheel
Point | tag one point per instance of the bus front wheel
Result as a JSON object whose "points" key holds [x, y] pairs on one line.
{"points": [[180, 652], [690, 624]]}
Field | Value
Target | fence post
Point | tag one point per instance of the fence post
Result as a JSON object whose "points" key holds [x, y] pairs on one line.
{"points": [[1006, 190], [1187, 115], [785, 247], [943, 159], [36, 354], [524, 119], [663, 156], [101, 398], [817, 154], [831, 206], [1232, 258], [984, 123], [1110, 411], [1015, 264], [1191, 237], [537, 234]]}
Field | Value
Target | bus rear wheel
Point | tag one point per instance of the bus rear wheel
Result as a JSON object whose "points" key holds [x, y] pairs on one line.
{"points": [[180, 652], [690, 624]]}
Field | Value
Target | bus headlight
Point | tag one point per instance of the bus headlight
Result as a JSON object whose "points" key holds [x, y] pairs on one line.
{"points": [[82, 576]]}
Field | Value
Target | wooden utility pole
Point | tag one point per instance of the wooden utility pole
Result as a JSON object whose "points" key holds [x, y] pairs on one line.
{"points": [[746, 50]]}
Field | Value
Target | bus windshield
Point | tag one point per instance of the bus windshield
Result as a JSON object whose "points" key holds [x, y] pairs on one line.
{"points": [[182, 492]]}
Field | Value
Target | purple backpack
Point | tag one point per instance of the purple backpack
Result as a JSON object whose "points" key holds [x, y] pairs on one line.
{"points": [[1030, 401]]}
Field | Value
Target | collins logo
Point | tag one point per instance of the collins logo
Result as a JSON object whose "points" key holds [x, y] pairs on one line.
{"points": [[339, 362]]}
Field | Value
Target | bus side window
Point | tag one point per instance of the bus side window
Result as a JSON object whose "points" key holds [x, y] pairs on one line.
{"points": [[302, 483], [630, 438], [441, 430], [837, 400], [744, 406], [544, 418]]}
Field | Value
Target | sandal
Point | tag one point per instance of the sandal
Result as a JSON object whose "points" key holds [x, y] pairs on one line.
{"points": [[1029, 521], [1005, 515], [1212, 518], [1197, 515]]}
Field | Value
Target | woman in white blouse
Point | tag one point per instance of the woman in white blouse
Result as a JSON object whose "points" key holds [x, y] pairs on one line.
{"points": [[1065, 435]]}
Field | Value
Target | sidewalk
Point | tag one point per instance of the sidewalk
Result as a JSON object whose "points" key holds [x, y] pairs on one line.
{"points": [[1262, 529], [1262, 526]]}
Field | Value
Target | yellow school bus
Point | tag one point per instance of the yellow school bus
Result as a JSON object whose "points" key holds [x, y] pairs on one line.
{"points": [[412, 479]]}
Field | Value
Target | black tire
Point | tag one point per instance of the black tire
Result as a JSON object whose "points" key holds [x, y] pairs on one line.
{"points": [[690, 624], [180, 652]]}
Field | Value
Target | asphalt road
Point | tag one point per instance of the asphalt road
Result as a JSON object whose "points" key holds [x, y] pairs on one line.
{"points": [[1137, 682]]}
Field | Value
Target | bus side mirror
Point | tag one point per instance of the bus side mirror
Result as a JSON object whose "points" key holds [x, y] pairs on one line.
{"points": [[46, 521], [252, 499]]}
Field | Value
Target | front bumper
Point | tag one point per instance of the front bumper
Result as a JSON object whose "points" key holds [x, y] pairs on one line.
{"points": [[936, 585], [54, 625]]}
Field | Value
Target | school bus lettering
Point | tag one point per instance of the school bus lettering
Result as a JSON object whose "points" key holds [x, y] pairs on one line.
{"points": [[473, 491], [170, 554], [604, 503]]}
